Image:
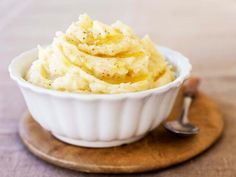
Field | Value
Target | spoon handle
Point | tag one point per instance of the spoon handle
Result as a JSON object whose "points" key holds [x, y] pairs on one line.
{"points": [[191, 87]]}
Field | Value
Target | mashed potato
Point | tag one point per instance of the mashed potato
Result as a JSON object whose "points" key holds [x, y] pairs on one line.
{"points": [[93, 57]]}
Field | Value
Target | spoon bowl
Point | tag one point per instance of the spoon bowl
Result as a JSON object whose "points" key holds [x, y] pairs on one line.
{"points": [[180, 128]]}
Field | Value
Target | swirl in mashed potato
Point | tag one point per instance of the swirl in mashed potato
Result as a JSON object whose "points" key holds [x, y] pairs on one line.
{"points": [[93, 57]]}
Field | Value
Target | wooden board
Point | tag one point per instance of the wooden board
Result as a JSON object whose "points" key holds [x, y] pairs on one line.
{"points": [[159, 149]]}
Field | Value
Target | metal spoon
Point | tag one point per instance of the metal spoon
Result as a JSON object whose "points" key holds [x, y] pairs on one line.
{"points": [[182, 126]]}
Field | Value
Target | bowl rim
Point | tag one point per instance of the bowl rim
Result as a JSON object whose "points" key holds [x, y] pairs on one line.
{"points": [[111, 96]]}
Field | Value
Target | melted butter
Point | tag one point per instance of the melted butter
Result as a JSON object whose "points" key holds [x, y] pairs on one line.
{"points": [[43, 71], [108, 40], [160, 74], [127, 79]]}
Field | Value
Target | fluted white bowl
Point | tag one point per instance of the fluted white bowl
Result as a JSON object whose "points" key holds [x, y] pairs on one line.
{"points": [[99, 120]]}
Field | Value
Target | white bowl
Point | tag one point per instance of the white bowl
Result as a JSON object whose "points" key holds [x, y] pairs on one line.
{"points": [[99, 120]]}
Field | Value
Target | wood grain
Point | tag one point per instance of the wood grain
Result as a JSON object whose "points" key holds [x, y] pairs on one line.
{"points": [[158, 150]]}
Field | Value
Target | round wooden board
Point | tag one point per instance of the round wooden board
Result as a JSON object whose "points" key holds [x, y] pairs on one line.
{"points": [[159, 149]]}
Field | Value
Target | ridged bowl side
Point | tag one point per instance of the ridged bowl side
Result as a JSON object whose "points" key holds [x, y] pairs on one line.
{"points": [[104, 120]]}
